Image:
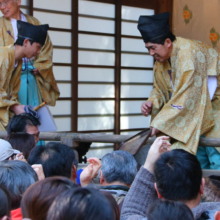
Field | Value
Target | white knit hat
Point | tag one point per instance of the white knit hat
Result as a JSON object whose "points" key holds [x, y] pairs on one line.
{"points": [[6, 150]]}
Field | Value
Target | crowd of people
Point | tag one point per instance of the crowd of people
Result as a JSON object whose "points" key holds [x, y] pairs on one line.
{"points": [[42, 183]]}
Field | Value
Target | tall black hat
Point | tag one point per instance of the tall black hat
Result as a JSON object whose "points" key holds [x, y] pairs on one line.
{"points": [[154, 27], [35, 33]]}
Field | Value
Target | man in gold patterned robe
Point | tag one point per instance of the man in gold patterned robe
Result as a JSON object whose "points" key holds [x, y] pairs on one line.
{"points": [[182, 104], [30, 40], [42, 85]]}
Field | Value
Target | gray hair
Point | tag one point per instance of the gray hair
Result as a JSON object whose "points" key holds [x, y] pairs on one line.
{"points": [[16, 176], [119, 166]]}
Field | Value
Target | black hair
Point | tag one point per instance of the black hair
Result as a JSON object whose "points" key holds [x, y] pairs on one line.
{"points": [[81, 204], [168, 210], [5, 199], [19, 123], [162, 39], [38, 198], [56, 158], [23, 142], [16, 176], [178, 175]]}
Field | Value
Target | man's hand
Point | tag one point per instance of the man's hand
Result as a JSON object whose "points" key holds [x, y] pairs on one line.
{"points": [[91, 171], [35, 72], [159, 146], [39, 171], [146, 108], [20, 157], [154, 131], [18, 109]]}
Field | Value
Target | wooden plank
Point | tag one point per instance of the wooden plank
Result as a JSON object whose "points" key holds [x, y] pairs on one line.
{"points": [[106, 138]]}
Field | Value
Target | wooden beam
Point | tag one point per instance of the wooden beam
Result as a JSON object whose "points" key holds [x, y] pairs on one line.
{"points": [[74, 78], [106, 138], [117, 66]]}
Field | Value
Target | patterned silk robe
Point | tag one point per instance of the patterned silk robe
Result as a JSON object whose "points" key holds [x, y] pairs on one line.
{"points": [[189, 112], [48, 90], [9, 83]]}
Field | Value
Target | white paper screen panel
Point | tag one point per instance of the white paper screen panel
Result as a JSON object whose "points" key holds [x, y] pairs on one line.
{"points": [[133, 122], [63, 124], [129, 91], [133, 60], [133, 13], [96, 9], [134, 45], [25, 2], [95, 107], [58, 5], [61, 108], [96, 91], [131, 107], [62, 72], [96, 58], [136, 76], [129, 132], [95, 123], [65, 90], [96, 25], [25, 11], [61, 55], [96, 74], [95, 145], [96, 42], [128, 28], [99, 153], [54, 20], [60, 38]]}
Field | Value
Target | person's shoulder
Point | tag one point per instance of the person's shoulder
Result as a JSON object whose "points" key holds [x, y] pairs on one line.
{"points": [[205, 209]]}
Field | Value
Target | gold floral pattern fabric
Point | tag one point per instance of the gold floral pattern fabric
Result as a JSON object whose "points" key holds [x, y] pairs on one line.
{"points": [[48, 90], [9, 83], [189, 112]]}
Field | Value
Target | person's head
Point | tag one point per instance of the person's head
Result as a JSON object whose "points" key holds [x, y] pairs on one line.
{"points": [[56, 158], [168, 210], [31, 39], [113, 204], [25, 123], [10, 8], [81, 204], [16, 176], [6, 151], [157, 36], [118, 166], [23, 142], [179, 176], [5, 206], [37, 199]]}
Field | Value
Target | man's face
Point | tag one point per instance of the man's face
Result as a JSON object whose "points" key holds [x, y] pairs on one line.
{"points": [[32, 50], [158, 51], [10, 8], [34, 131]]}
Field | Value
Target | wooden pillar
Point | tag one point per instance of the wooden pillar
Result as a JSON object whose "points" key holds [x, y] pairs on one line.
{"points": [[74, 75], [164, 6]]}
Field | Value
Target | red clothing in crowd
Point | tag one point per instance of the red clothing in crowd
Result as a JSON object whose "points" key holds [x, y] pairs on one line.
{"points": [[16, 214]]}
